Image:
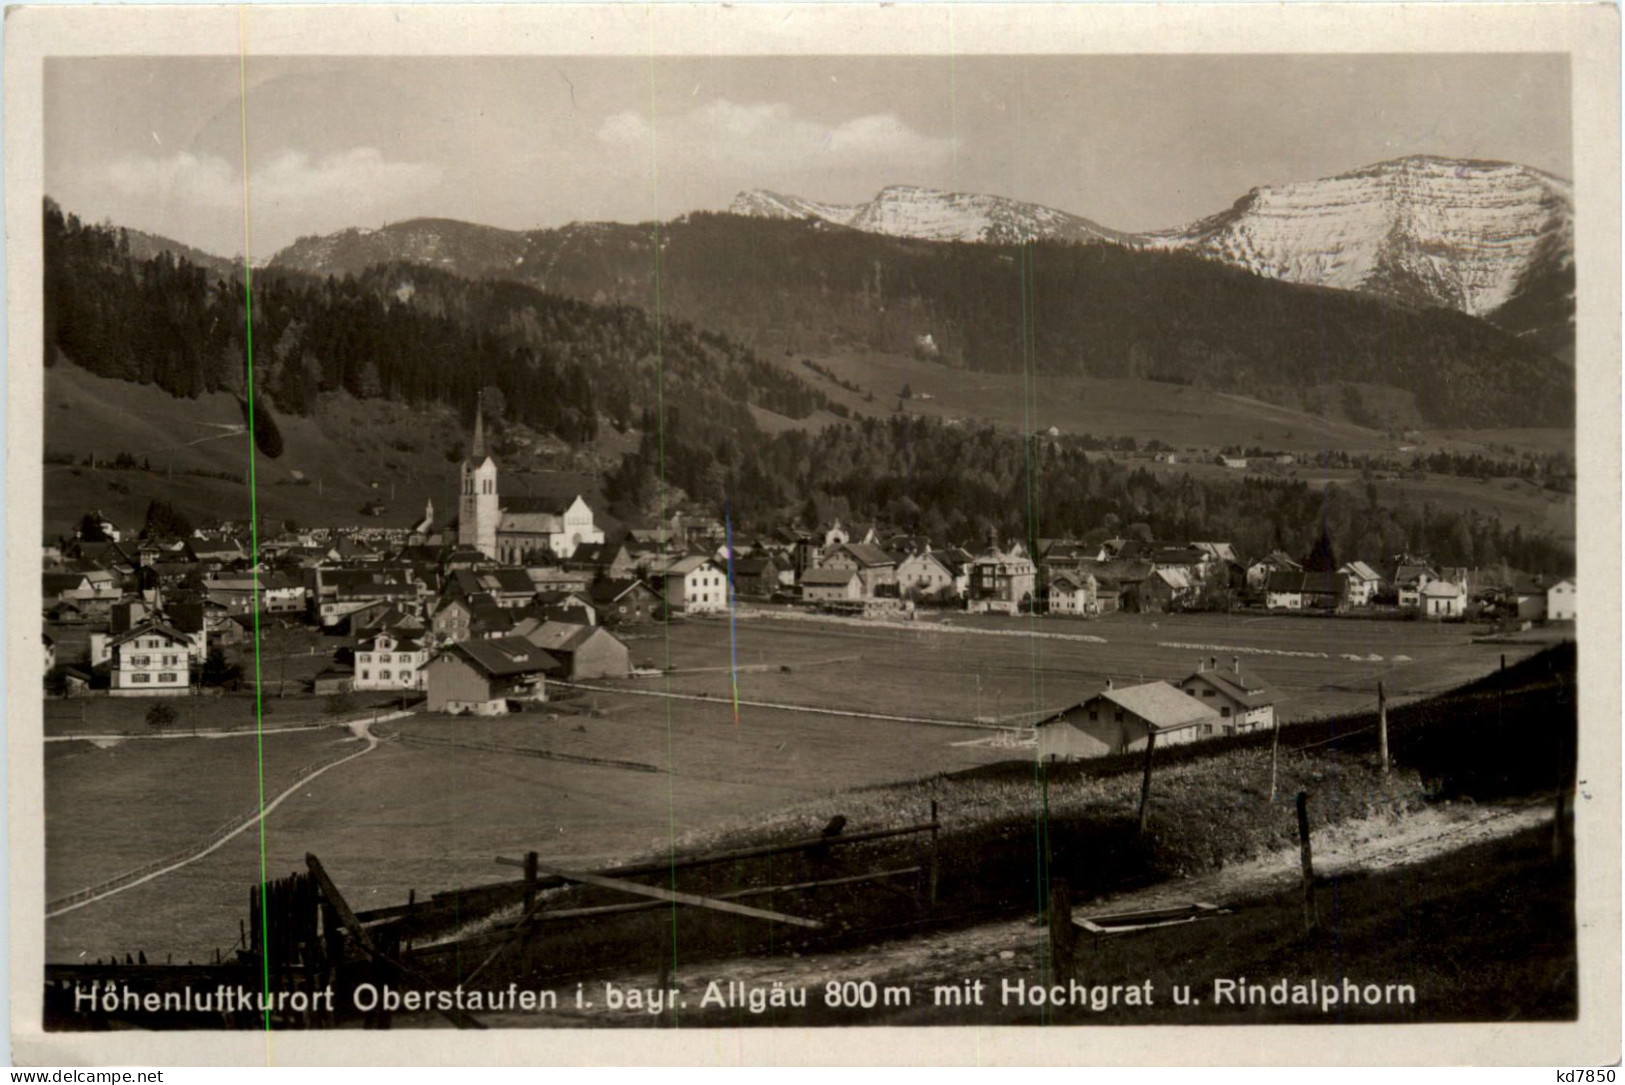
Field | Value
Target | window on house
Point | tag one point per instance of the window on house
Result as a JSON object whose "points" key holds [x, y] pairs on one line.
{"points": [[141, 678], [166, 677], [383, 675], [1190, 692], [1094, 715], [1224, 713], [366, 675], [1207, 693], [1119, 715]]}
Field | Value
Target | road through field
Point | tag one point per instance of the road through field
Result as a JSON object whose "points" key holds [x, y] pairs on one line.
{"points": [[140, 876]]}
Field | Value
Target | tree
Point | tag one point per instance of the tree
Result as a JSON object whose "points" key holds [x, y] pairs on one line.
{"points": [[160, 716], [1321, 559], [90, 528], [338, 704], [907, 392], [165, 521], [218, 671]]}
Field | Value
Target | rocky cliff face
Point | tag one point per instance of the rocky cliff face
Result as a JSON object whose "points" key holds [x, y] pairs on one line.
{"points": [[1462, 234]]}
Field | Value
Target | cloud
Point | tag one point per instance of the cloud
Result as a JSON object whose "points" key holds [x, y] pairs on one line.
{"points": [[289, 187], [748, 139]]}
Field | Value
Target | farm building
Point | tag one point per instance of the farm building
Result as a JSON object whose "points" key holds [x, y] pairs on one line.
{"points": [[623, 602], [1116, 721], [152, 659], [387, 661], [822, 585], [1243, 701], [873, 565], [583, 651], [1409, 580], [934, 572], [1260, 571], [482, 676], [333, 680], [1560, 601], [755, 575]]}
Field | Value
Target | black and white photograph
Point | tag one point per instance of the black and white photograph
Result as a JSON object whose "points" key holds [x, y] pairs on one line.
{"points": [[676, 541]]}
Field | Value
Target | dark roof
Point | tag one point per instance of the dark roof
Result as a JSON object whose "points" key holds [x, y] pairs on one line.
{"points": [[1243, 688], [1326, 583], [609, 591], [868, 554], [512, 580], [57, 583], [148, 627], [753, 566], [1284, 580], [505, 657], [531, 503], [827, 577]]}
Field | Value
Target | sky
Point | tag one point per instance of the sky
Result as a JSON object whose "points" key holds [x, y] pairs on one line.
{"points": [[1134, 143]]}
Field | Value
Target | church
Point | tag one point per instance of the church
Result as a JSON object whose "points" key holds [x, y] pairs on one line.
{"points": [[510, 529]]}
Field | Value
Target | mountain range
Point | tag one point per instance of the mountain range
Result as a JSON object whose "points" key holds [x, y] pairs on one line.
{"points": [[1474, 236]]}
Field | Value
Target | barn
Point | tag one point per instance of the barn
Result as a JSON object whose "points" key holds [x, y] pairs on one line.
{"points": [[1120, 719]]}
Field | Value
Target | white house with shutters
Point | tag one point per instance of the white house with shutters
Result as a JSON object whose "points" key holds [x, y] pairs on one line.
{"points": [[387, 661], [151, 659]]}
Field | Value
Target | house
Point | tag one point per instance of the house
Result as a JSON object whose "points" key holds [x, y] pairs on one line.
{"points": [[1116, 721], [755, 576], [481, 676], [1363, 582], [624, 602], [1325, 591], [934, 573], [1072, 593], [388, 661], [152, 659], [694, 585], [1442, 599], [1409, 580], [611, 560], [1243, 701], [577, 604], [831, 584], [1258, 573], [583, 651], [1003, 581], [873, 565], [1560, 601]]}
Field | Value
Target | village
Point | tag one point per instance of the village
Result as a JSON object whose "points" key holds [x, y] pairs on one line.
{"points": [[522, 597]]}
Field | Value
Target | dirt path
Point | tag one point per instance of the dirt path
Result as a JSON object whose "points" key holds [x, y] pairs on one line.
{"points": [[167, 865], [1012, 946]]}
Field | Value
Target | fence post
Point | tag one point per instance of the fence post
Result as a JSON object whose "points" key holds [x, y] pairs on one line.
{"points": [[1382, 726], [1062, 935], [1275, 754], [530, 880], [933, 870], [1311, 918], [1145, 781]]}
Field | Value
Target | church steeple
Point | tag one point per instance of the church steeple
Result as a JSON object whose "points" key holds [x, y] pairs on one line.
{"points": [[476, 451]]}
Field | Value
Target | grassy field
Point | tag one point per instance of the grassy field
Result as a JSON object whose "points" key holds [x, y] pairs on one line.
{"points": [[931, 672], [343, 449], [432, 818]]}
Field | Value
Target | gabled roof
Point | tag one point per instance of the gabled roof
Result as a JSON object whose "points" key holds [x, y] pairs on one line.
{"points": [[561, 636], [753, 566], [511, 580], [1442, 589], [148, 628], [1174, 578], [504, 657], [1404, 574], [826, 577], [1068, 578], [611, 591], [57, 583], [1284, 580], [1279, 559], [1359, 570], [1244, 688], [1326, 583], [685, 565], [1162, 706], [867, 554]]}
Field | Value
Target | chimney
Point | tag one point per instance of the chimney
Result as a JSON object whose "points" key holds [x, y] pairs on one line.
{"points": [[1201, 664], [1213, 663], [1235, 662], [1108, 683]]}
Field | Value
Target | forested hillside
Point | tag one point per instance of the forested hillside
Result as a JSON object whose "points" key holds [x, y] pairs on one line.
{"points": [[411, 335], [1101, 310]]}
